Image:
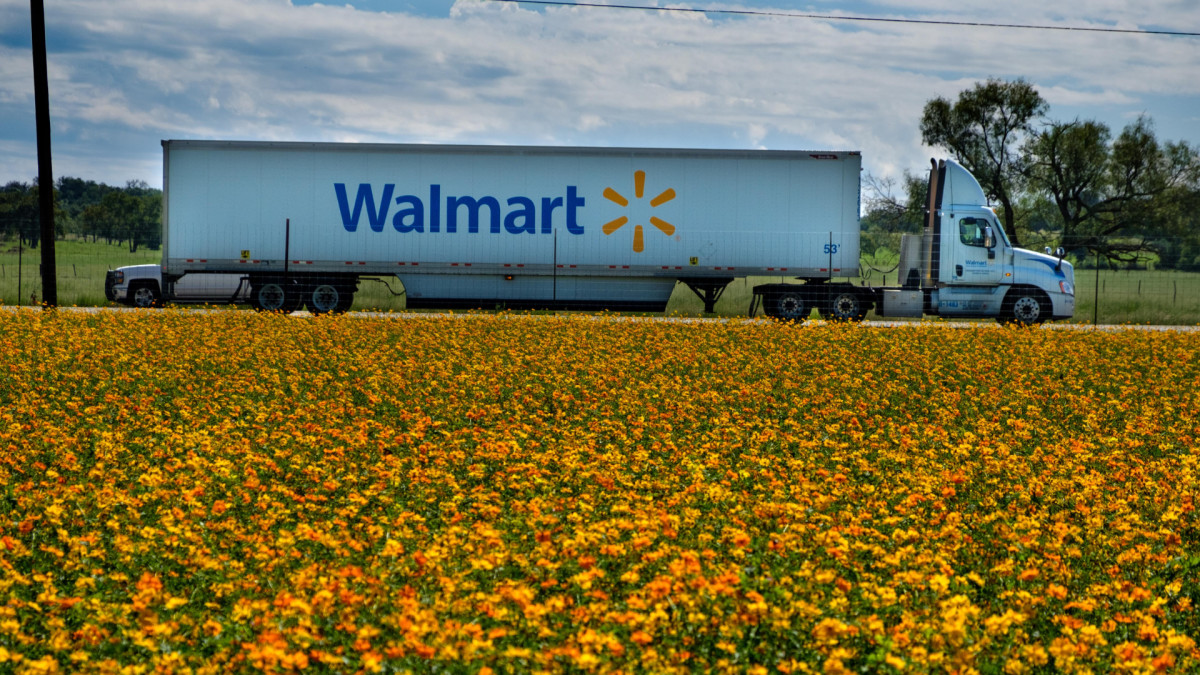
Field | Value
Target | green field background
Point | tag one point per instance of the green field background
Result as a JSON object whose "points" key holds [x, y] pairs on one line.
{"points": [[1125, 297]]}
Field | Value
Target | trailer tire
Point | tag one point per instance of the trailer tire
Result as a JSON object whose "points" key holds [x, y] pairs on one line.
{"points": [[790, 305], [844, 305], [323, 297], [1025, 307], [144, 294], [274, 295]]}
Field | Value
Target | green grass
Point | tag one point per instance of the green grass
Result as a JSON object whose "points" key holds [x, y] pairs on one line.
{"points": [[1130, 297], [1138, 297], [80, 270]]}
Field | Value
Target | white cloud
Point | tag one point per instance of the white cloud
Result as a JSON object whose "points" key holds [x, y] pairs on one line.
{"points": [[142, 70]]}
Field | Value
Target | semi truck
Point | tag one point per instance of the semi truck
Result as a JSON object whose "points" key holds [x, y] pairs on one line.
{"points": [[289, 225]]}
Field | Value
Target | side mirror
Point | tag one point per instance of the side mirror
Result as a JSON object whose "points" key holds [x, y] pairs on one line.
{"points": [[989, 238], [1061, 253]]}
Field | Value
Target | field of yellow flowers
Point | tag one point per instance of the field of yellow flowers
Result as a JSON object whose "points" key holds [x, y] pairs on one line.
{"points": [[227, 491]]}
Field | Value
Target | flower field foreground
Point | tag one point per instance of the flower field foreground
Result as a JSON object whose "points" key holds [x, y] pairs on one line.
{"points": [[228, 492]]}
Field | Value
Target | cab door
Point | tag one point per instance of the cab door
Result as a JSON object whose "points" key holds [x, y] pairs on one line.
{"points": [[975, 264]]}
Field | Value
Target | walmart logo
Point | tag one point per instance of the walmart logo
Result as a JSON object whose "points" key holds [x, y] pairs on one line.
{"points": [[639, 189]]}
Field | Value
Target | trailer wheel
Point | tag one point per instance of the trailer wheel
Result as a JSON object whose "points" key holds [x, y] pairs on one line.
{"points": [[1025, 308], [144, 294], [273, 295], [323, 298], [790, 306], [844, 305]]}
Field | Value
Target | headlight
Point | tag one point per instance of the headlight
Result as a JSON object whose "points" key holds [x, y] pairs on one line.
{"points": [[1066, 287]]}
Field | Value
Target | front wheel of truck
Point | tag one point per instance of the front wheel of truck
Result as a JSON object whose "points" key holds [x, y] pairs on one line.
{"points": [[144, 294], [1025, 307]]}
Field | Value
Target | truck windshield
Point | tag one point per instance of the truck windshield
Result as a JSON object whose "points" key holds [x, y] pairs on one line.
{"points": [[1000, 234]]}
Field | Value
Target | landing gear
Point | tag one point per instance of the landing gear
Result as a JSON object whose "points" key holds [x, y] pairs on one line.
{"points": [[708, 290]]}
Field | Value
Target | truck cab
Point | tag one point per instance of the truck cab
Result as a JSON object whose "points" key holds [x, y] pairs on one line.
{"points": [[964, 265]]}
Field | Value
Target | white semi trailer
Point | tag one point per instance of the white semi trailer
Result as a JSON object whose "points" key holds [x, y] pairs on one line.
{"points": [[300, 224]]}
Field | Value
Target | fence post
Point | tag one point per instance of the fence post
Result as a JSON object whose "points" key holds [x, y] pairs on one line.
{"points": [[1096, 299]]}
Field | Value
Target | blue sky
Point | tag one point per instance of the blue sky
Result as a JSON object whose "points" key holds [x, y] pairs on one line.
{"points": [[125, 74]]}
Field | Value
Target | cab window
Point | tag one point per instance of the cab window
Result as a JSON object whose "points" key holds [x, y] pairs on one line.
{"points": [[971, 231]]}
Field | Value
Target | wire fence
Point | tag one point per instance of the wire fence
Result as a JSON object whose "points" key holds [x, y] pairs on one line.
{"points": [[1147, 293], [1137, 296]]}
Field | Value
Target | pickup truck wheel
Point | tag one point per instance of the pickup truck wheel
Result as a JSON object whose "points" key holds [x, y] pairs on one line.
{"points": [[791, 306], [323, 298], [144, 295], [845, 305]]}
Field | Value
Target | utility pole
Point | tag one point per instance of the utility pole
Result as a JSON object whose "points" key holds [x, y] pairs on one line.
{"points": [[41, 95]]}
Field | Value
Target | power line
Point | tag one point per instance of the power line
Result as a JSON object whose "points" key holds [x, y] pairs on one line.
{"points": [[870, 19]]}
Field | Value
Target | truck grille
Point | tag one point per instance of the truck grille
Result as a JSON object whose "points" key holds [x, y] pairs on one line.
{"points": [[111, 279]]}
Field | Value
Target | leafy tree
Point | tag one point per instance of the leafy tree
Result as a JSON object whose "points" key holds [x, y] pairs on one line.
{"points": [[124, 214], [1037, 218], [148, 230], [887, 218], [19, 213], [95, 222], [1114, 198], [889, 215], [984, 130], [129, 214], [893, 213], [74, 195]]}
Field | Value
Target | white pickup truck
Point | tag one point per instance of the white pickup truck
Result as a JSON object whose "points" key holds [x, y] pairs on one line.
{"points": [[142, 286]]}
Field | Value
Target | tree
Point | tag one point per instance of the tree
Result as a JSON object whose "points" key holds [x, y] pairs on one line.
{"points": [[887, 211], [122, 211], [94, 221], [13, 207], [131, 214], [148, 226], [888, 217], [984, 130], [19, 212], [74, 196], [1114, 198]]}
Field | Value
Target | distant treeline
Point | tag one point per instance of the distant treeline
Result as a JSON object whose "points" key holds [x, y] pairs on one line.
{"points": [[1115, 199], [118, 215]]}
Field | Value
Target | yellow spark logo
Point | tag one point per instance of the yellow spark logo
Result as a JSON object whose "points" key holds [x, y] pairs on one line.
{"points": [[639, 189]]}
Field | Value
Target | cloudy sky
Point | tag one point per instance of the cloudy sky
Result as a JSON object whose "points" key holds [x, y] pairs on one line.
{"points": [[125, 74]]}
